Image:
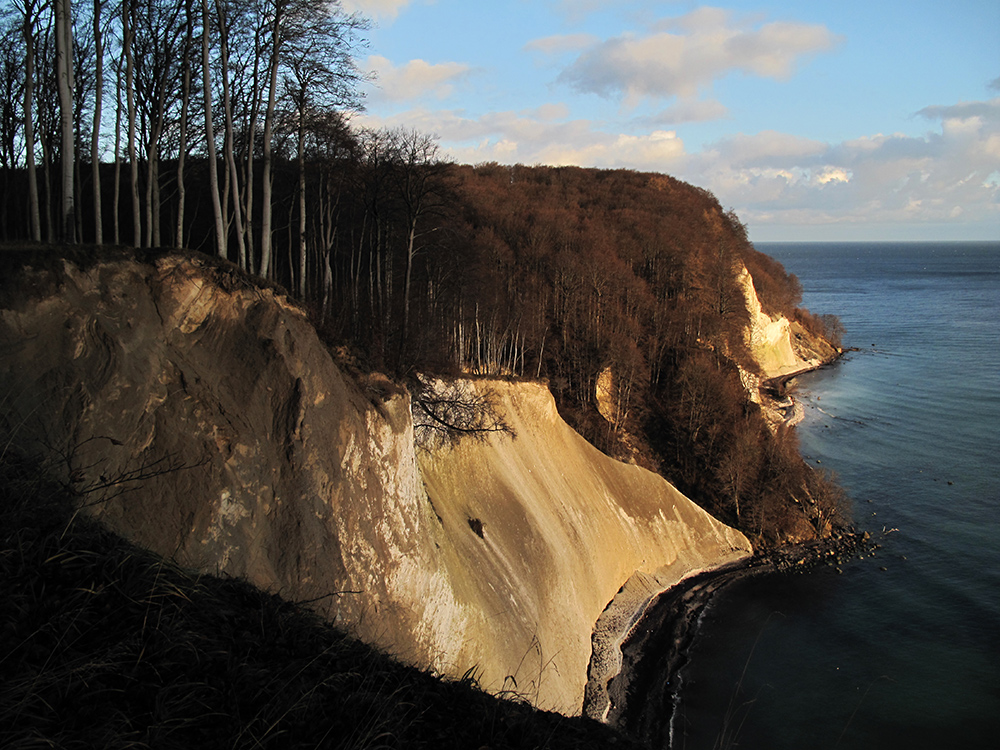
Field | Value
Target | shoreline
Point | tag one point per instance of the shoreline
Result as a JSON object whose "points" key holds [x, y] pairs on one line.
{"points": [[658, 646], [653, 649], [775, 389]]}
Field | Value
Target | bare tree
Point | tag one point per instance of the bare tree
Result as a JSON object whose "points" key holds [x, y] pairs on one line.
{"points": [[116, 199], [312, 42], [224, 20], [160, 44], [30, 11], [11, 98], [128, 39], [182, 147], [95, 136], [444, 413], [213, 166], [275, 10], [418, 176]]}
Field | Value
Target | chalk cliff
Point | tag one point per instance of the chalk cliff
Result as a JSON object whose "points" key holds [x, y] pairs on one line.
{"points": [[781, 348], [771, 340], [201, 416]]}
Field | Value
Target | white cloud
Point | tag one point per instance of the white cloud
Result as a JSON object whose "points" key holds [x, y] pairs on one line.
{"points": [[415, 79], [989, 111], [548, 112], [679, 57], [561, 43], [689, 110], [576, 10], [828, 174], [541, 136], [946, 176], [387, 9], [769, 148]]}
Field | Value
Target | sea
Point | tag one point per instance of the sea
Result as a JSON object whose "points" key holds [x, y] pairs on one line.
{"points": [[900, 649]]}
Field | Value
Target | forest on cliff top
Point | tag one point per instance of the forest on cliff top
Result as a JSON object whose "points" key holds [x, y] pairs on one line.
{"points": [[221, 128]]}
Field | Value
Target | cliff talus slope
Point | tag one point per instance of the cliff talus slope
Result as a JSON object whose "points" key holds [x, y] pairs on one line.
{"points": [[200, 415]]}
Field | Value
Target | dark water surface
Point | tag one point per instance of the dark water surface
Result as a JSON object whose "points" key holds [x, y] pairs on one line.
{"points": [[901, 650]]}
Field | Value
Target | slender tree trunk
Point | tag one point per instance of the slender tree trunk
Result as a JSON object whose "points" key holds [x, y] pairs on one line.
{"points": [[157, 234], [95, 152], [47, 183], [29, 121], [78, 181], [154, 168], [233, 173], [410, 252], [64, 81], [152, 175], [213, 167], [127, 38], [116, 200], [182, 147], [248, 180], [272, 94], [302, 205]]}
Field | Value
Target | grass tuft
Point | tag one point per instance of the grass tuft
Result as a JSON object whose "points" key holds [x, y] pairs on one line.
{"points": [[105, 645]]}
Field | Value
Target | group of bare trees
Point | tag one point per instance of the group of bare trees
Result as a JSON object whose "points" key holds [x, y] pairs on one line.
{"points": [[123, 118]]}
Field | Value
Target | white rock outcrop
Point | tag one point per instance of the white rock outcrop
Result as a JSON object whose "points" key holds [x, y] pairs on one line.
{"points": [[770, 339]]}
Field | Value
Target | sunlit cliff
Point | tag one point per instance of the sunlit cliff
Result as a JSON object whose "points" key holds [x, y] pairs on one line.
{"points": [[200, 415]]}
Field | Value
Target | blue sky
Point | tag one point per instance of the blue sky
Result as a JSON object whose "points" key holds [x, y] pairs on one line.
{"points": [[814, 120]]}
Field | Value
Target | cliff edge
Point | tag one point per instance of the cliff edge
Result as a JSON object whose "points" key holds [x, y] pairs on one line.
{"points": [[199, 415]]}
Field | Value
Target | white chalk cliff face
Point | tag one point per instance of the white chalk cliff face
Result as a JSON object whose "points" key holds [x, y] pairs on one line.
{"points": [[258, 458], [770, 340]]}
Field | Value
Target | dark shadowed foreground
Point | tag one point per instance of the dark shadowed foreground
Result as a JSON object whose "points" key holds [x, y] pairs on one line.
{"points": [[105, 645]]}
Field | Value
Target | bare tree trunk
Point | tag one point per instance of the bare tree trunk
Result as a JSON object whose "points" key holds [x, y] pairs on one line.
{"points": [[95, 152], [185, 102], [302, 206], [152, 176], [248, 180], [213, 167], [233, 173], [27, 30], [118, 155], [47, 183], [127, 38], [410, 253], [272, 93], [153, 189], [64, 82]]}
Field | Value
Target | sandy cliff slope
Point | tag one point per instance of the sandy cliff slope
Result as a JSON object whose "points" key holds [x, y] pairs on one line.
{"points": [[258, 458]]}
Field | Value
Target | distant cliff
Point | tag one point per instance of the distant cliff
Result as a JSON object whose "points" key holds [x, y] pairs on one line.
{"points": [[780, 348], [200, 415]]}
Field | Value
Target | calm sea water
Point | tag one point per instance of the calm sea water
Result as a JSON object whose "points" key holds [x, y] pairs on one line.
{"points": [[901, 650]]}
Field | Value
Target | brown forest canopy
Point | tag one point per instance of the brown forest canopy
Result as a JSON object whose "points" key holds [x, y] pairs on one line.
{"points": [[220, 127]]}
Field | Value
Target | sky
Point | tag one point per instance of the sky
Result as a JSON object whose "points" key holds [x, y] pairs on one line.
{"points": [[815, 120]]}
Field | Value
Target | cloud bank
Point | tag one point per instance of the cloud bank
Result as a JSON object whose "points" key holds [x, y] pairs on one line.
{"points": [[415, 79], [388, 9], [943, 176], [680, 57]]}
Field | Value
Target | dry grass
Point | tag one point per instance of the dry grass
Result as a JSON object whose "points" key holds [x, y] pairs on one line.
{"points": [[105, 645]]}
